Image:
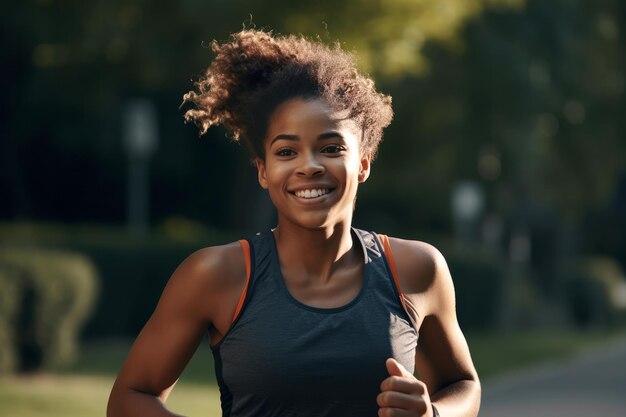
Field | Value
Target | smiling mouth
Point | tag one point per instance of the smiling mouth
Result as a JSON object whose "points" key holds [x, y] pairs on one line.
{"points": [[312, 193]]}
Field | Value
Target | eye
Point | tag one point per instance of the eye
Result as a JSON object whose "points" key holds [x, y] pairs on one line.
{"points": [[333, 149], [284, 152]]}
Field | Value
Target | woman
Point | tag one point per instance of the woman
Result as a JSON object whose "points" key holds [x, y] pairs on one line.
{"points": [[313, 318]]}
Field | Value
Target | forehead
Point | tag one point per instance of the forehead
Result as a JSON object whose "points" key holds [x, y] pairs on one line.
{"points": [[301, 116]]}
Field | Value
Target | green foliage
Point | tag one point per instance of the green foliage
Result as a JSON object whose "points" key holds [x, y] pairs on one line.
{"points": [[389, 36], [49, 295], [524, 96], [515, 109]]}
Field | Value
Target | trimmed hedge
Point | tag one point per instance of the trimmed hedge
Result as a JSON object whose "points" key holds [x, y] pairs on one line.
{"points": [[479, 280], [9, 308], [593, 291], [134, 277], [46, 296], [133, 269]]}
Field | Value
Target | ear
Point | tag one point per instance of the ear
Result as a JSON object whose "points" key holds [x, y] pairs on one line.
{"points": [[260, 166], [364, 169]]}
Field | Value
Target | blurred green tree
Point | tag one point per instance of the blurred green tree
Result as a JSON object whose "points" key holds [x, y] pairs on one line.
{"points": [[525, 97]]}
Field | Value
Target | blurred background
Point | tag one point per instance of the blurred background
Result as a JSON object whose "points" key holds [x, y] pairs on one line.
{"points": [[507, 151]]}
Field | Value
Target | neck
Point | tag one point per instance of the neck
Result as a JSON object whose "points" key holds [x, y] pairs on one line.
{"points": [[315, 253]]}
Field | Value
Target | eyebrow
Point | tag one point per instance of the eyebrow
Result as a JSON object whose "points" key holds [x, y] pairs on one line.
{"points": [[322, 136]]}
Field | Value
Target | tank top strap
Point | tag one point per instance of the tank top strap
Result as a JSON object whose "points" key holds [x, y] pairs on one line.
{"points": [[378, 259], [391, 263], [245, 246], [371, 251], [256, 253], [262, 259], [379, 252]]}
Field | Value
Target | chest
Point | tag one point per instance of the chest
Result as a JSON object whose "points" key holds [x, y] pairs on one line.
{"points": [[339, 291], [288, 351]]}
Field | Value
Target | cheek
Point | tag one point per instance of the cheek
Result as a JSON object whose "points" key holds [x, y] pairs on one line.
{"points": [[275, 176], [353, 168]]}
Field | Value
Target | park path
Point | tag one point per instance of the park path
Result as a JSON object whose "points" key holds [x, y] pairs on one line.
{"points": [[587, 386]]}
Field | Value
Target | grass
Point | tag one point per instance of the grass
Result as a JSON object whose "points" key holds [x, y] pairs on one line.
{"points": [[82, 390], [83, 396], [498, 353]]}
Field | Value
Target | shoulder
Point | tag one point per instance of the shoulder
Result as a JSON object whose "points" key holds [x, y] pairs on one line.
{"points": [[213, 265], [206, 275], [423, 273]]}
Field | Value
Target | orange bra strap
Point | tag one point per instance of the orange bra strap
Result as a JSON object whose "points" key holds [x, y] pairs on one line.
{"points": [[392, 265], [246, 254]]}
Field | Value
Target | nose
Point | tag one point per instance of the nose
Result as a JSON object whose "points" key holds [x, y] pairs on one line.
{"points": [[310, 166]]}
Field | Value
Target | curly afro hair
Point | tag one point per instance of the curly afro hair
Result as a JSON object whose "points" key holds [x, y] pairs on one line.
{"points": [[256, 71]]}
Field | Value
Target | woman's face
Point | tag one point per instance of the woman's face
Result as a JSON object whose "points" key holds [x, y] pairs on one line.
{"points": [[312, 164]]}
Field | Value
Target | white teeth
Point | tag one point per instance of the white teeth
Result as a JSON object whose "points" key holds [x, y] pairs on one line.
{"points": [[312, 193]]}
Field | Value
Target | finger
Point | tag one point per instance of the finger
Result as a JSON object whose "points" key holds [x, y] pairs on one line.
{"points": [[393, 412], [401, 401], [403, 384], [396, 369]]}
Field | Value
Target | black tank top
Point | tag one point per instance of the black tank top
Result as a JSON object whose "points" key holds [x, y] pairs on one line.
{"points": [[283, 358]]}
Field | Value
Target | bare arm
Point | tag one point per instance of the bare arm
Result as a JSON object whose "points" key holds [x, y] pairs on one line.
{"points": [[443, 358], [188, 307], [447, 377]]}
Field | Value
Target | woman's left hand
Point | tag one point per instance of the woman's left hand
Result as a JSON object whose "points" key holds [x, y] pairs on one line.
{"points": [[402, 395]]}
